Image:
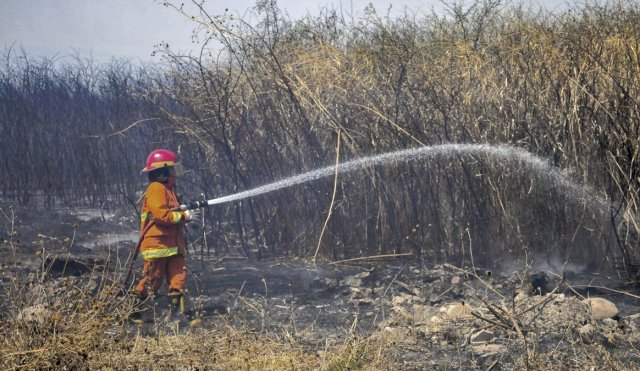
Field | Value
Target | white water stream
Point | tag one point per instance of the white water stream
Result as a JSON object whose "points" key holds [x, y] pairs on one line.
{"points": [[495, 152]]}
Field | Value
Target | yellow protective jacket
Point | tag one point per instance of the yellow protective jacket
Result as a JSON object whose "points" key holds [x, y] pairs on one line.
{"points": [[165, 237]]}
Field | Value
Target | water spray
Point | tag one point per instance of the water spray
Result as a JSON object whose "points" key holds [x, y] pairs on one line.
{"points": [[500, 152], [560, 180]]}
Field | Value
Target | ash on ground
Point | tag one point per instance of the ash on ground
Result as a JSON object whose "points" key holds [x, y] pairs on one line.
{"points": [[430, 316]]}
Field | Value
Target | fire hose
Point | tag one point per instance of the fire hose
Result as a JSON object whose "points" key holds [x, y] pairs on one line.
{"points": [[135, 254]]}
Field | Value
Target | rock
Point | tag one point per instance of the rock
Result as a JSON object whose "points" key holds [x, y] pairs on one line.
{"points": [[481, 337], [404, 298], [352, 281], [455, 280], [330, 282], [398, 300], [362, 275], [601, 308], [357, 280], [458, 310], [487, 350], [365, 301]]}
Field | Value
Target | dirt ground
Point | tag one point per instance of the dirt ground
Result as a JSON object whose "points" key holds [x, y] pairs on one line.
{"points": [[438, 316]]}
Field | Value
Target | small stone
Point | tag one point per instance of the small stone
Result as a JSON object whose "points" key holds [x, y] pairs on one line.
{"points": [[455, 280], [408, 298], [481, 337], [366, 301], [398, 300], [352, 281], [601, 308], [330, 282], [362, 275], [486, 350], [458, 310]]}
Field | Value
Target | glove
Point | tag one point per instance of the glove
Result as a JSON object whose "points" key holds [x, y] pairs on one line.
{"points": [[194, 214]]}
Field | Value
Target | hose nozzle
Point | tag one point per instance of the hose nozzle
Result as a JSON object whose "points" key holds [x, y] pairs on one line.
{"points": [[194, 205]]}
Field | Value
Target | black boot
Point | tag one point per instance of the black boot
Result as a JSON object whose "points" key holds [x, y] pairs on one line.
{"points": [[177, 301]]}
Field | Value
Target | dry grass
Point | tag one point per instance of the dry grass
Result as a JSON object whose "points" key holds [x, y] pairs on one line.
{"points": [[58, 323], [226, 347], [75, 324]]}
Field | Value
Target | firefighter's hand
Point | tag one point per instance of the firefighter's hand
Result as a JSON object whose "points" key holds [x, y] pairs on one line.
{"points": [[194, 214]]}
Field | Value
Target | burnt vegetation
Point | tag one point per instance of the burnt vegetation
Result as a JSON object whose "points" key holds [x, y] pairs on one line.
{"points": [[460, 231], [269, 99]]}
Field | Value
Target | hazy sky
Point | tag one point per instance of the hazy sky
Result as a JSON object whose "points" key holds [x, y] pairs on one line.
{"points": [[130, 28]]}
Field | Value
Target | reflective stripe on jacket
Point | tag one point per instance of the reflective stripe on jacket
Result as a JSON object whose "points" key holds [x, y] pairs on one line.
{"points": [[162, 252], [165, 238]]}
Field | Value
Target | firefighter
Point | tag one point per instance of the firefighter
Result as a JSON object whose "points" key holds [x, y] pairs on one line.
{"points": [[162, 225]]}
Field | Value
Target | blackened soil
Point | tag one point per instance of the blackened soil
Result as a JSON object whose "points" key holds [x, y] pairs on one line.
{"points": [[436, 315]]}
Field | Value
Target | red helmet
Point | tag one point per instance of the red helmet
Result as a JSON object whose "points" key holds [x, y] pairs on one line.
{"points": [[160, 158]]}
